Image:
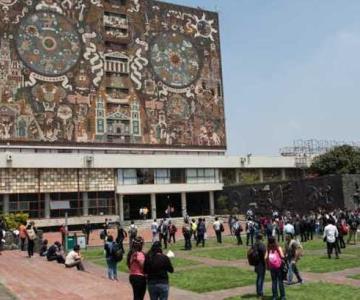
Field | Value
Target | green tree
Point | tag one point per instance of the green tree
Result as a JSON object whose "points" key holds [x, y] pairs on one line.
{"points": [[340, 160]]}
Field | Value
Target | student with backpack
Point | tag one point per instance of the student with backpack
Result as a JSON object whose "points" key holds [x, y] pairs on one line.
{"points": [[135, 263], [293, 251], [274, 257], [132, 233], [201, 231], [256, 258], [114, 254], [31, 234], [218, 228], [237, 229]]}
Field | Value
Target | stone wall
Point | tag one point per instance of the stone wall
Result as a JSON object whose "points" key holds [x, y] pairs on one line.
{"points": [[351, 184]]}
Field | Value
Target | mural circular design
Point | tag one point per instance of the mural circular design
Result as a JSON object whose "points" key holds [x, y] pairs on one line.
{"points": [[48, 43], [174, 60]]}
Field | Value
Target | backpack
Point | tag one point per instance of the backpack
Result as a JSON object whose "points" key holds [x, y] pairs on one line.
{"points": [[344, 229], [274, 260], [253, 256], [31, 234], [116, 252], [222, 229], [103, 234]]}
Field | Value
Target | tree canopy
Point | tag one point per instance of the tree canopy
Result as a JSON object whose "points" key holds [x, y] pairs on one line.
{"points": [[340, 160]]}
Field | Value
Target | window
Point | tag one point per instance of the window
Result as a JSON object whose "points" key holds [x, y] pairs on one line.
{"points": [[135, 127], [129, 176], [162, 176], [200, 176]]}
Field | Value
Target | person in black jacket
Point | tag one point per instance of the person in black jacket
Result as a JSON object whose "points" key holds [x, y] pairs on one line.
{"points": [[157, 265], [55, 253]]}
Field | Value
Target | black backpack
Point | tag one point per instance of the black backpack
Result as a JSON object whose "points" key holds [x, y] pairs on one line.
{"points": [[253, 256], [116, 252]]}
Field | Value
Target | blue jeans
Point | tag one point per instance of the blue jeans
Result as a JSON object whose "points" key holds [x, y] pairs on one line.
{"points": [[277, 281], [260, 277], [158, 291], [112, 268]]}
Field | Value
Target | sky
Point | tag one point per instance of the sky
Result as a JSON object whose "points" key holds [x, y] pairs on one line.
{"points": [[291, 70]]}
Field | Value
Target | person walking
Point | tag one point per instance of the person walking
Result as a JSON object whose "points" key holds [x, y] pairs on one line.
{"points": [[22, 235], [330, 235], [110, 248], [237, 229], [157, 266], [194, 229], [31, 234], [274, 256], [353, 223], [132, 233], [187, 235], [155, 231], [218, 228], [172, 232], [163, 233], [63, 232], [293, 251], [87, 230], [135, 263], [201, 231], [2, 234], [250, 230], [260, 267], [121, 236]]}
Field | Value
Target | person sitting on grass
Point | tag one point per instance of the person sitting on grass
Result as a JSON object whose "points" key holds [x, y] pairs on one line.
{"points": [[55, 252], [74, 259]]}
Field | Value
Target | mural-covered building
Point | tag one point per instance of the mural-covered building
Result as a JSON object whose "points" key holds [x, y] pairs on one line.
{"points": [[111, 105]]}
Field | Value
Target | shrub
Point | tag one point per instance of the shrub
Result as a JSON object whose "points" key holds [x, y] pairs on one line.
{"points": [[13, 221]]}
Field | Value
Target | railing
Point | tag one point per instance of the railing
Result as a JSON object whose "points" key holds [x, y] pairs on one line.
{"points": [[167, 180]]}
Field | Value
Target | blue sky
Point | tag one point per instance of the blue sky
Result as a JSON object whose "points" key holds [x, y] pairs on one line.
{"points": [[291, 70]]}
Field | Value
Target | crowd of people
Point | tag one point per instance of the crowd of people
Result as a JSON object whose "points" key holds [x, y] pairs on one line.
{"points": [[275, 243], [297, 229]]}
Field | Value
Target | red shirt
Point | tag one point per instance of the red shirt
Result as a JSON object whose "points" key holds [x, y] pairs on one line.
{"points": [[137, 264]]}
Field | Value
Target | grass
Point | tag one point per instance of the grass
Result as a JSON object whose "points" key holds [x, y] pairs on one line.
{"points": [[321, 264], [96, 256], [313, 291], [233, 253], [207, 279], [357, 277]]}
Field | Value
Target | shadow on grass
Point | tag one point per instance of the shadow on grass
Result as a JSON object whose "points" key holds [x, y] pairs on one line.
{"points": [[254, 296]]}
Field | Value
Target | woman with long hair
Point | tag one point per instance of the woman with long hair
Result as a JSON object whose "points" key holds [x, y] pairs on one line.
{"points": [[274, 257], [157, 266], [135, 263]]}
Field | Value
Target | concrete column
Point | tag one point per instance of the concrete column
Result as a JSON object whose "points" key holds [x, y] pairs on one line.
{"points": [[261, 175], [153, 206], [283, 174], [85, 198], [211, 203], [6, 200], [183, 204], [121, 208], [47, 206], [237, 175]]}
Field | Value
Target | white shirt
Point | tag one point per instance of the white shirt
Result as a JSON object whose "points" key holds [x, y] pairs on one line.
{"points": [[216, 225], [289, 229], [154, 227], [331, 233], [72, 257]]}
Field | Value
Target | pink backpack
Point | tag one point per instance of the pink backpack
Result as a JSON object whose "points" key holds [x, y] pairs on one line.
{"points": [[274, 260]]}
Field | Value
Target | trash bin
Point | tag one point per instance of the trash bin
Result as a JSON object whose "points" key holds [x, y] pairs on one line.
{"points": [[71, 242]]}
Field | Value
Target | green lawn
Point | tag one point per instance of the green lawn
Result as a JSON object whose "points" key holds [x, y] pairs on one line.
{"points": [[233, 253], [96, 256], [321, 264], [357, 277], [313, 291], [206, 279]]}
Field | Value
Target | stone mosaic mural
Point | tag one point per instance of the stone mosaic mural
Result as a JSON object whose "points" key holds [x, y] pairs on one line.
{"points": [[105, 71]]}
